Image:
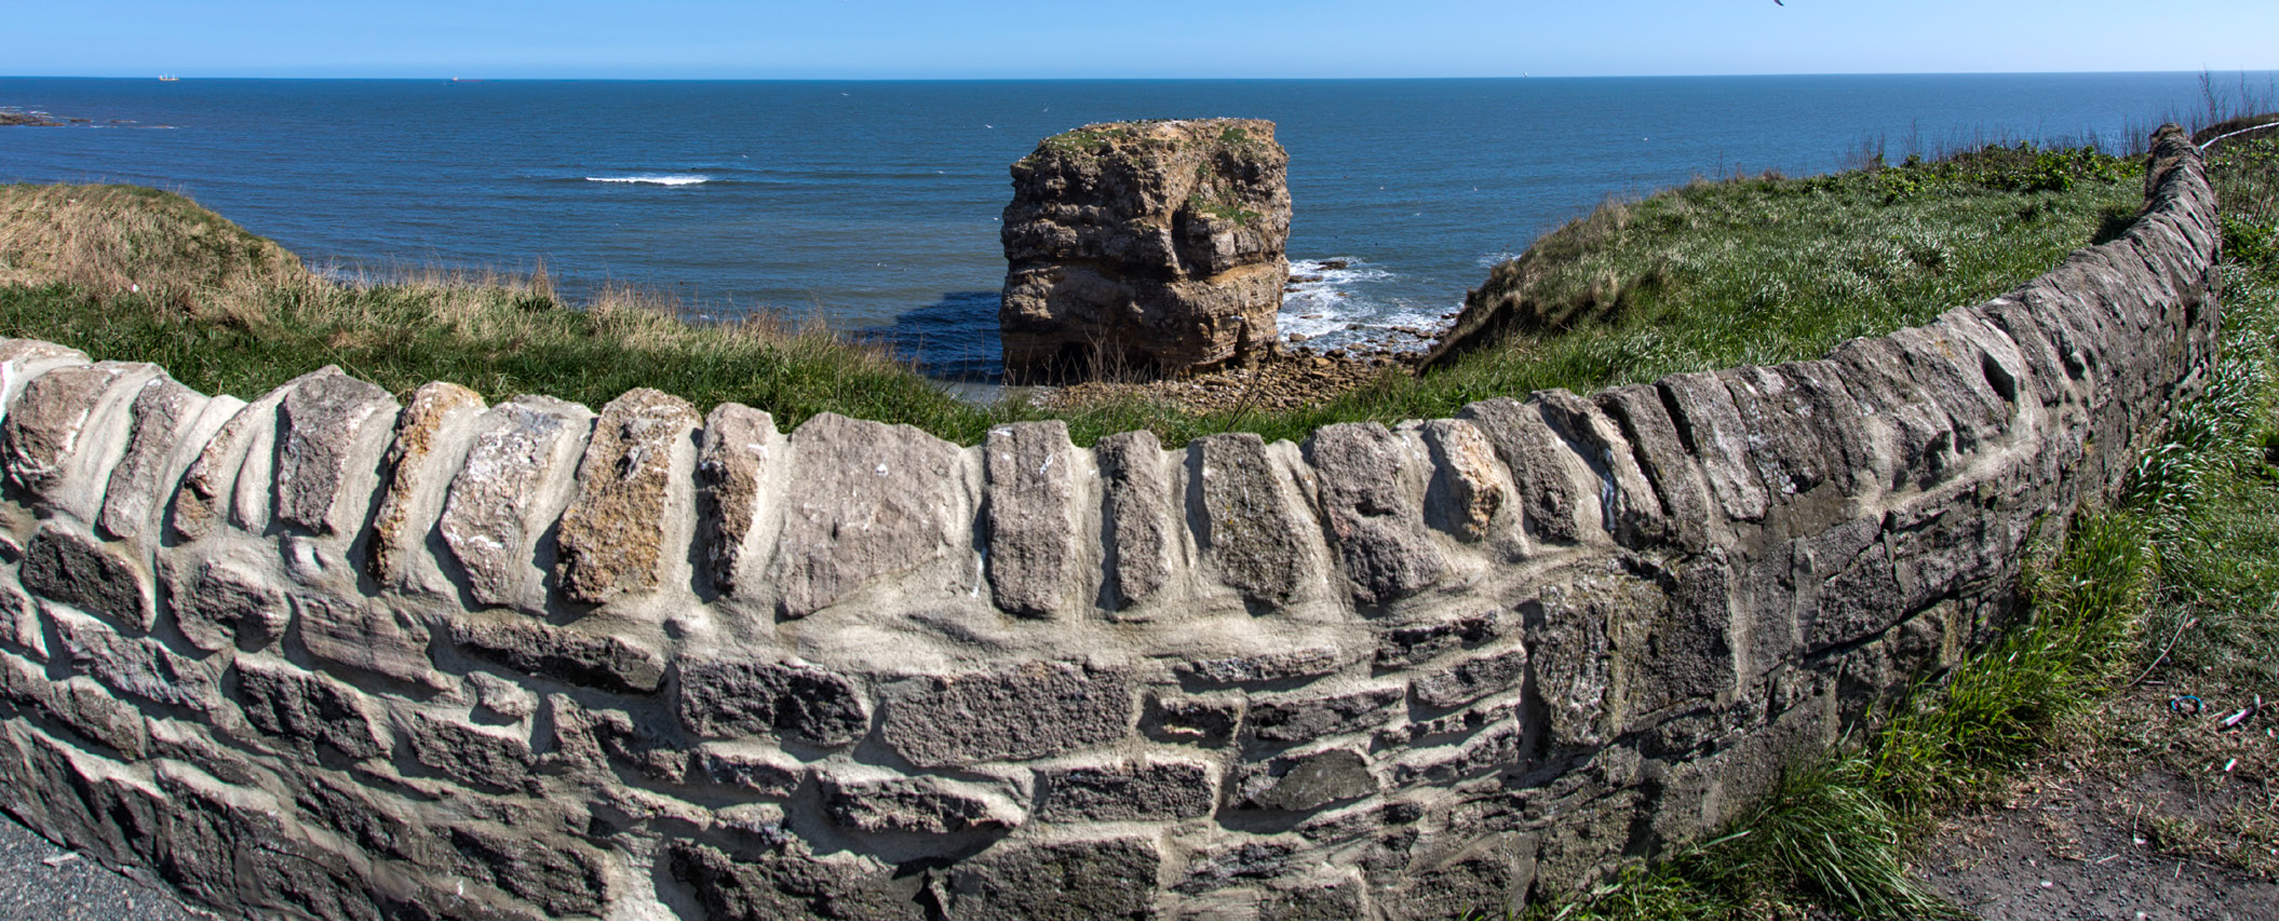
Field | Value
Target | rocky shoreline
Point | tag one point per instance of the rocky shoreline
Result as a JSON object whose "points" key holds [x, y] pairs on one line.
{"points": [[1290, 378]]}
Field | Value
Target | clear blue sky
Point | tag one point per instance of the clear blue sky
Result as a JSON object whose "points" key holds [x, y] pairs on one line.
{"points": [[1127, 38]]}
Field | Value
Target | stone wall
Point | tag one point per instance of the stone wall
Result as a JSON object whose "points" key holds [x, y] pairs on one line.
{"points": [[326, 655]]}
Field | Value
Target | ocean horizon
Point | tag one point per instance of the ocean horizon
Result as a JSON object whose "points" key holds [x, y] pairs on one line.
{"points": [[874, 205]]}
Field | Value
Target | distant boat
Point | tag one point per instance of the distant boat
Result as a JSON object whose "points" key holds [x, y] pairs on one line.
{"points": [[168, 78], [466, 79]]}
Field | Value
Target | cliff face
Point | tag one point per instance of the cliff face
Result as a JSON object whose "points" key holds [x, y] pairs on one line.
{"points": [[1148, 247]]}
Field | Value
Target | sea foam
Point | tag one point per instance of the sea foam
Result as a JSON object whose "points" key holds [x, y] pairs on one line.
{"points": [[654, 179]]}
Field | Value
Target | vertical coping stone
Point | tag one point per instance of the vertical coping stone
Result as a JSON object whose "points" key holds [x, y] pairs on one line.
{"points": [[164, 412], [210, 491], [318, 425], [1661, 455], [1552, 506], [1469, 487], [1375, 519], [613, 535], [1702, 410], [1032, 517], [1921, 440], [489, 519], [434, 407], [1952, 372], [1138, 503], [739, 445], [1249, 527], [872, 500], [46, 427], [1633, 512]]}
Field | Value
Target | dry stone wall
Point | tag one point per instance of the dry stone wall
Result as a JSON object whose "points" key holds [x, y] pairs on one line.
{"points": [[323, 655]]}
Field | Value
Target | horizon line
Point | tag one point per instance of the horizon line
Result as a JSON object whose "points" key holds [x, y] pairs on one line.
{"points": [[464, 77]]}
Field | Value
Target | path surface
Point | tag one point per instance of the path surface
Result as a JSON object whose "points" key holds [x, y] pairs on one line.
{"points": [[42, 882]]}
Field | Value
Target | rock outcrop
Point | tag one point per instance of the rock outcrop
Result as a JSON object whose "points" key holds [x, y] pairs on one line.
{"points": [[1148, 248]]}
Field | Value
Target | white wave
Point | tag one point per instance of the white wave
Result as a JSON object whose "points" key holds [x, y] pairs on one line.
{"points": [[654, 179]]}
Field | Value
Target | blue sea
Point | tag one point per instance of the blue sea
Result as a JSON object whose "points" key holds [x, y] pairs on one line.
{"points": [[873, 206]]}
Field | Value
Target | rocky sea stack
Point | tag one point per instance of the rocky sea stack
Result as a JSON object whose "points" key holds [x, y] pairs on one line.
{"points": [[1145, 249]]}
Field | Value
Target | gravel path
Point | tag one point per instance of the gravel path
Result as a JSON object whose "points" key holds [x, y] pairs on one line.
{"points": [[42, 882]]}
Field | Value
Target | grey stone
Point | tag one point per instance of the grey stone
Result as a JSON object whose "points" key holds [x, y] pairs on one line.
{"points": [[317, 429], [563, 876], [434, 408], [1249, 528], [1633, 510], [1683, 650], [1260, 668], [1234, 864], [20, 624], [504, 698], [587, 742], [1471, 679], [1469, 486], [1337, 900], [1414, 644], [923, 805], [307, 708], [873, 500], [1552, 506], [1304, 717], [721, 698], [489, 759], [140, 666], [1379, 528], [1661, 455], [26, 351], [1489, 877], [1786, 433], [371, 635], [1033, 552], [1578, 672], [609, 661], [1138, 499], [763, 771], [1140, 790], [613, 534], [84, 707], [1204, 721], [1303, 783], [42, 430], [1059, 881], [226, 602], [739, 446], [1494, 748], [1702, 410], [163, 412], [787, 882], [61, 565], [1032, 711], [232, 479], [1922, 441], [489, 520]]}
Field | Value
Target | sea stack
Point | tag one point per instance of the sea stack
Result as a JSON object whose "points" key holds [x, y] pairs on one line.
{"points": [[1145, 249]]}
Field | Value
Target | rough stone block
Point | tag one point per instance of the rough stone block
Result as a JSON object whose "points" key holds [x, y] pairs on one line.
{"points": [[1264, 667], [411, 492], [1471, 679], [1661, 455], [787, 882], [309, 709], [760, 770], [613, 534], [1305, 717], [873, 500], [609, 661], [1702, 410], [923, 805], [163, 411], [43, 428], [1141, 790], [317, 432], [1553, 507], [1139, 503], [1378, 524], [1037, 710], [1469, 487], [1059, 881], [1204, 721], [740, 445], [1303, 783], [487, 758], [61, 565], [141, 666], [84, 707], [225, 602], [1250, 529], [1334, 900], [503, 698], [493, 516], [1414, 644], [1921, 442], [20, 624], [1033, 552], [722, 698], [563, 876], [1632, 507], [1235, 864], [371, 635]]}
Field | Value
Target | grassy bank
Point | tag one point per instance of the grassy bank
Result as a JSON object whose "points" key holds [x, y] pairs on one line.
{"points": [[1759, 269]]}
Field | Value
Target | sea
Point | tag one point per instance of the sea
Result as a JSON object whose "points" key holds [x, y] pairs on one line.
{"points": [[874, 207]]}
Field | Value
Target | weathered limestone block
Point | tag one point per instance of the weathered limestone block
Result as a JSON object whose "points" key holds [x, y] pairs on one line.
{"points": [[1498, 746], [760, 769], [1138, 506], [1036, 710], [1269, 666], [1064, 881], [789, 881], [30, 351], [142, 666], [1251, 528], [1469, 486], [1662, 457], [1149, 246], [563, 876], [1303, 783], [1472, 679], [165, 413], [724, 698], [307, 708], [1800, 437], [1702, 410], [20, 624], [1033, 550], [482, 757], [924, 805], [232, 478], [503, 698], [1304, 717], [495, 511], [1554, 507], [83, 706], [613, 534], [63, 565], [412, 494], [1633, 510], [1139, 790], [1919, 443], [42, 436], [872, 500], [1414, 644], [1205, 721], [226, 601], [318, 460], [370, 635], [1377, 522], [740, 446], [601, 659]]}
